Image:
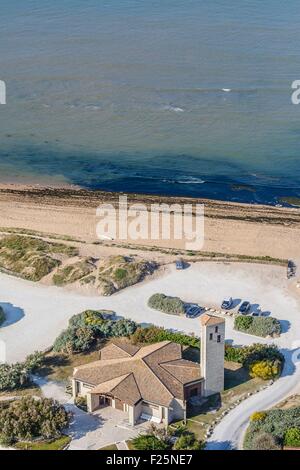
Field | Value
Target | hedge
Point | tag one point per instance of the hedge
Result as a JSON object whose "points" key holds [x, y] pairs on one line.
{"points": [[258, 326], [154, 334], [167, 304]]}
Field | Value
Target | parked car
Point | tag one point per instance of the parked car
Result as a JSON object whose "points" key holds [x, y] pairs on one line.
{"points": [[291, 269], [257, 313], [193, 310], [227, 304], [244, 308], [179, 264]]}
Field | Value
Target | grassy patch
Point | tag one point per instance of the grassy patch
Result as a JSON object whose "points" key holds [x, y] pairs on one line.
{"points": [[56, 444], [237, 385], [110, 447], [73, 272], [31, 258], [60, 367]]}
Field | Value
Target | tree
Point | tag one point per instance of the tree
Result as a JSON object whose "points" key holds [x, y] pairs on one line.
{"points": [[149, 442], [30, 418]]}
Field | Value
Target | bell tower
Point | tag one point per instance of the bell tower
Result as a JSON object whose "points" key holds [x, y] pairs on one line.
{"points": [[212, 353]]}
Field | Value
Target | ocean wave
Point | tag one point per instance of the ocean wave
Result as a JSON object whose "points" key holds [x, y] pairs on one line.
{"points": [[187, 180], [175, 109]]}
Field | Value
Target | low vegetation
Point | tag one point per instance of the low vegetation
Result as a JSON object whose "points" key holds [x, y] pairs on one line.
{"points": [[273, 429], [30, 418], [2, 316], [51, 444], [17, 376], [31, 258], [178, 438], [73, 272], [86, 328], [155, 334], [258, 326], [167, 304], [260, 360], [118, 272]]}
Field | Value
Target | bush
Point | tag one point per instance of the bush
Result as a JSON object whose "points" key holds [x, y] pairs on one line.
{"points": [[2, 316], [188, 441], [30, 418], [258, 326], [292, 437], [149, 442], [81, 402], [86, 327], [154, 334], [276, 422], [34, 361], [74, 340], [265, 441], [258, 416], [167, 304], [242, 323], [13, 376], [265, 370]]}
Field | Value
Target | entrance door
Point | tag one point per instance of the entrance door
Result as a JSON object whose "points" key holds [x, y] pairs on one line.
{"points": [[104, 401]]}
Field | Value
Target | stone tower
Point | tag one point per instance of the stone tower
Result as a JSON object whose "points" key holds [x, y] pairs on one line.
{"points": [[212, 353]]}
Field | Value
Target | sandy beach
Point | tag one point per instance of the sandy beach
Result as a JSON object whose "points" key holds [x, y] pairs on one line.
{"points": [[230, 228]]}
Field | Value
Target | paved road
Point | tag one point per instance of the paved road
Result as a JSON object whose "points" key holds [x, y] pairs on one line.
{"points": [[229, 433]]}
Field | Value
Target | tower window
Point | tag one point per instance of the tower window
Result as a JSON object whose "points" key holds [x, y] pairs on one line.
{"points": [[216, 329], [219, 339], [210, 336]]}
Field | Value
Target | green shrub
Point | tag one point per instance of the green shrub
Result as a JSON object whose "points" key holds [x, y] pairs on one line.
{"points": [[2, 316], [34, 361], [81, 402], [292, 437], [242, 323], [276, 422], [13, 376], [30, 418], [167, 304], [86, 327], [149, 442], [188, 441], [265, 370], [154, 334], [258, 326], [74, 340]]}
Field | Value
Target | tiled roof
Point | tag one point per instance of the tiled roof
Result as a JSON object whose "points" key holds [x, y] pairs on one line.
{"points": [[155, 373], [211, 320]]}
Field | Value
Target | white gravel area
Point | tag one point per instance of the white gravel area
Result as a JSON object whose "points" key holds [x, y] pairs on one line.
{"points": [[36, 314]]}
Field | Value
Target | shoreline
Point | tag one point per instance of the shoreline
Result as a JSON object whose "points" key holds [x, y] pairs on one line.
{"points": [[230, 227]]}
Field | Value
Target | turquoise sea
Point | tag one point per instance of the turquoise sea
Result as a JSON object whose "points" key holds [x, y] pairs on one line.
{"points": [[179, 97]]}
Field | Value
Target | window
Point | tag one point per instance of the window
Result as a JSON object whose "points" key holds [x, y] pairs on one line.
{"points": [[219, 339], [216, 329], [193, 392], [210, 336]]}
